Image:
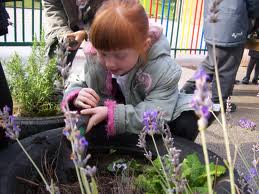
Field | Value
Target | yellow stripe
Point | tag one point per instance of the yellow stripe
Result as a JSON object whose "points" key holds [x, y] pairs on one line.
{"points": [[189, 24], [145, 5], [184, 19]]}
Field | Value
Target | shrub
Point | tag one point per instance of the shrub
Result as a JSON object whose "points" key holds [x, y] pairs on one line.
{"points": [[32, 82]]}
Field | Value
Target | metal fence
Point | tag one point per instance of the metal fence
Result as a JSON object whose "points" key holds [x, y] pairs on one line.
{"points": [[182, 21]]}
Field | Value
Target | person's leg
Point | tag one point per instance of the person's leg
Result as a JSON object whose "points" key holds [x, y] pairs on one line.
{"points": [[228, 59], [249, 70], [186, 125], [256, 73], [5, 100], [189, 86]]}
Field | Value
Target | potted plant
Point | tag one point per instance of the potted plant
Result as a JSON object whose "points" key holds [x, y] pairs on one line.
{"points": [[32, 86]]}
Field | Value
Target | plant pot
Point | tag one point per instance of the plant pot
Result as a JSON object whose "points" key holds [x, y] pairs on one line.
{"points": [[14, 163], [32, 125]]}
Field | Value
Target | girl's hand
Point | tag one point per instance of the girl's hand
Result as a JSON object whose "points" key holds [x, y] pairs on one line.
{"points": [[87, 98], [79, 37], [98, 114]]}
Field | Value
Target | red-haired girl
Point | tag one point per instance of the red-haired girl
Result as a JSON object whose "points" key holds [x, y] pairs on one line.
{"points": [[131, 72]]}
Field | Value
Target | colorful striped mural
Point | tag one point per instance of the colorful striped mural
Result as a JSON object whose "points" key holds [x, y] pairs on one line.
{"points": [[182, 22]]}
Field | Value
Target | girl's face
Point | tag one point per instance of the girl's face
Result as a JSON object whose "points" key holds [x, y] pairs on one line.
{"points": [[119, 62]]}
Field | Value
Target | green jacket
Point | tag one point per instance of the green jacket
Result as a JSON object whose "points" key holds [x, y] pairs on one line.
{"points": [[150, 86]]}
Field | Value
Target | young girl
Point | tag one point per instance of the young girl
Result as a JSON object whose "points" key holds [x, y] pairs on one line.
{"points": [[130, 74]]}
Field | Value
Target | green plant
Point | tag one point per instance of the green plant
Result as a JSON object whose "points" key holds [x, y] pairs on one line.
{"points": [[31, 82], [192, 169]]}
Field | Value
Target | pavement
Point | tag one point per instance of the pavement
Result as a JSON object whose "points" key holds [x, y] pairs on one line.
{"points": [[241, 140], [244, 96]]}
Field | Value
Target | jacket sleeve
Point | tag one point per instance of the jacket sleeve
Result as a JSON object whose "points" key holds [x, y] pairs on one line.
{"points": [[163, 97], [57, 21], [75, 83], [70, 94]]}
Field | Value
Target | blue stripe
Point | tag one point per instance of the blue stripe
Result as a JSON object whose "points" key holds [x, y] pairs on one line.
{"points": [[168, 15], [162, 15]]}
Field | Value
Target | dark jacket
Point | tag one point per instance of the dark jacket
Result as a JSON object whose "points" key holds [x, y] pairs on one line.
{"points": [[3, 20], [234, 22]]}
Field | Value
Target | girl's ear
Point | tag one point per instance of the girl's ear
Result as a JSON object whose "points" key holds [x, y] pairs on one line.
{"points": [[147, 44]]}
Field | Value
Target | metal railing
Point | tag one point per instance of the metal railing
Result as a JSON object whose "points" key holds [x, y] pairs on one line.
{"points": [[182, 21], [26, 19]]}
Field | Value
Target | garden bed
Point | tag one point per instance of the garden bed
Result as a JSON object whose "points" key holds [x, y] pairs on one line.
{"points": [[46, 149]]}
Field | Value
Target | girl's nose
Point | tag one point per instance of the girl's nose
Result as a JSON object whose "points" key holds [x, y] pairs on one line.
{"points": [[109, 63]]}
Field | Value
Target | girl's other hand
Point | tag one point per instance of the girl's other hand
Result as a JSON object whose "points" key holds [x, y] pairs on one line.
{"points": [[87, 98], [98, 114]]}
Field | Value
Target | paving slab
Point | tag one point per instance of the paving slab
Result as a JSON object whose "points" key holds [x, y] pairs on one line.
{"points": [[241, 140]]}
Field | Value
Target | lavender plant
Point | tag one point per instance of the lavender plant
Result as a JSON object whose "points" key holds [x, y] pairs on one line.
{"points": [[167, 172], [171, 172], [12, 131], [247, 124], [202, 104], [79, 156], [213, 18], [78, 142], [228, 109], [249, 181]]}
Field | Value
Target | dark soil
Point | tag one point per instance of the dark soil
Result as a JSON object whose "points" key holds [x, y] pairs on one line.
{"points": [[64, 175]]}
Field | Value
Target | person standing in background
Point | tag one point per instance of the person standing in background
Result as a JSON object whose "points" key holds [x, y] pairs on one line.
{"points": [[68, 18], [5, 94], [254, 62], [233, 24]]}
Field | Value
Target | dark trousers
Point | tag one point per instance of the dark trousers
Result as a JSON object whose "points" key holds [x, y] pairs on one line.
{"points": [[253, 62], [5, 100], [185, 126], [228, 61]]}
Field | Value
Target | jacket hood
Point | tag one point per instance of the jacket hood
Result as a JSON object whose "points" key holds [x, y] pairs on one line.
{"points": [[159, 48]]}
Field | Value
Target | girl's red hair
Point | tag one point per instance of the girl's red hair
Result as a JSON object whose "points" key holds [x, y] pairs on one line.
{"points": [[120, 24]]}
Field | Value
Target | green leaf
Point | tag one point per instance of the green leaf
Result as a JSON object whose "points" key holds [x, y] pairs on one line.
{"points": [[192, 168]]}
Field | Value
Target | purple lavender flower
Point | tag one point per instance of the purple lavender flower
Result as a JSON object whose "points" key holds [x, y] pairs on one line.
{"points": [[7, 122], [150, 121], [79, 143], [247, 124], [142, 139], [201, 100], [89, 171], [66, 132], [247, 178], [252, 174]]}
